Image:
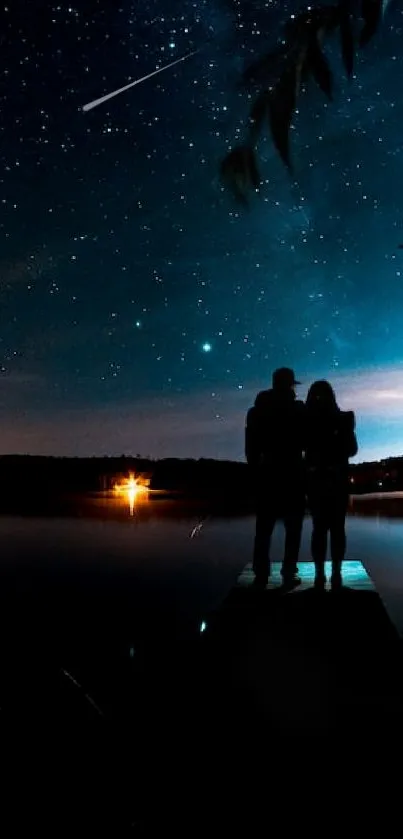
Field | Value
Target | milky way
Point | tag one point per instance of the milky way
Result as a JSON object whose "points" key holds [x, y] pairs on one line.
{"points": [[140, 308]]}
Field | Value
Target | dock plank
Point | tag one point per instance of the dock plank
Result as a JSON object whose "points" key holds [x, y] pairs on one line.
{"points": [[354, 576]]}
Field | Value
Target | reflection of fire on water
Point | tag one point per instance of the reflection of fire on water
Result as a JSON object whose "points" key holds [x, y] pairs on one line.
{"points": [[133, 489]]}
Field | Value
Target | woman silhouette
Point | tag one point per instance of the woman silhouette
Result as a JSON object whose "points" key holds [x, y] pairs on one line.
{"points": [[330, 441]]}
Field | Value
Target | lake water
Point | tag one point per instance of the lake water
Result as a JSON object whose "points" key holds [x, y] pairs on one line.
{"points": [[112, 603], [157, 578], [106, 615]]}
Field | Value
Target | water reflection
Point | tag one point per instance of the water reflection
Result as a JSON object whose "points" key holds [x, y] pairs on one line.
{"points": [[379, 505]]}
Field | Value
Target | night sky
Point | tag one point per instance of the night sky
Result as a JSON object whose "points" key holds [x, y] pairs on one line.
{"points": [[140, 307]]}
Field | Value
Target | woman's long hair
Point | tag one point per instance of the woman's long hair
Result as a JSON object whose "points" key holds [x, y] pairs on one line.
{"points": [[321, 398]]}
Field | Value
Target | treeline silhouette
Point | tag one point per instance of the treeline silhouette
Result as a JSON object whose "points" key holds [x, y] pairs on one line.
{"points": [[28, 476], [31, 481]]}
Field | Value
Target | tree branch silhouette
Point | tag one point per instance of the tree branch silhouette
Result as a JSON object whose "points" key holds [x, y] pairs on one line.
{"points": [[299, 57]]}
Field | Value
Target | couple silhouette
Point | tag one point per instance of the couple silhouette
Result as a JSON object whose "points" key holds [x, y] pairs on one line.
{"points": [[297, 453]]}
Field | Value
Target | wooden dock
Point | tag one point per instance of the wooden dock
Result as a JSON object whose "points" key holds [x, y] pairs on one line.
{"points": [[216, 733], [312, 662], [290, 693], [281, 690]]}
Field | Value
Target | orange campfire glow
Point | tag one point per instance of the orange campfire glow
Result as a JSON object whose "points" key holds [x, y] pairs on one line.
{"points": [[133, 489]]}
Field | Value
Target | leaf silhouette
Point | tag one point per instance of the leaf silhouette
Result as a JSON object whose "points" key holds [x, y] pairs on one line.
{"points": [[258, 115], [318, 65], [371, 13], [347, 37], [239, 171], [253, 170], [282, 106]]}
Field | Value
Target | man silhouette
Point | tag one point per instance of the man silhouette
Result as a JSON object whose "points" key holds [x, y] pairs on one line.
{"points": [[274, 443]]}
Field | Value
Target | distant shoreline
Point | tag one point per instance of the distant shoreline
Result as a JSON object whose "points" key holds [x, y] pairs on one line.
{"points": [[31, 480]]}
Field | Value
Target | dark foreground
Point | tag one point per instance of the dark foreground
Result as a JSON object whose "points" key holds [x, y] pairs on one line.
{"points": [[280, 691]]}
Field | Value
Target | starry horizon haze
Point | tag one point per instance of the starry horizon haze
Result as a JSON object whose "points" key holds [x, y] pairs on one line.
{"points": [[141, 309]]}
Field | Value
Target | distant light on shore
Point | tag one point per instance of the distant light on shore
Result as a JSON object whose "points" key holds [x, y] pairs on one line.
{"points": [[133, 489]]}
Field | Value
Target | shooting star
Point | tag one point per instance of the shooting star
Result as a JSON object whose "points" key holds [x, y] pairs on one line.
{"points": [[108, 96]]}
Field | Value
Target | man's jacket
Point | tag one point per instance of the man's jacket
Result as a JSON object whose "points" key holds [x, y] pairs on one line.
{"points": [[275, 435]]}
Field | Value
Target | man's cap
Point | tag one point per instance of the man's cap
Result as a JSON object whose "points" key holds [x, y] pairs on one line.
{"points": [[284, 377]]}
